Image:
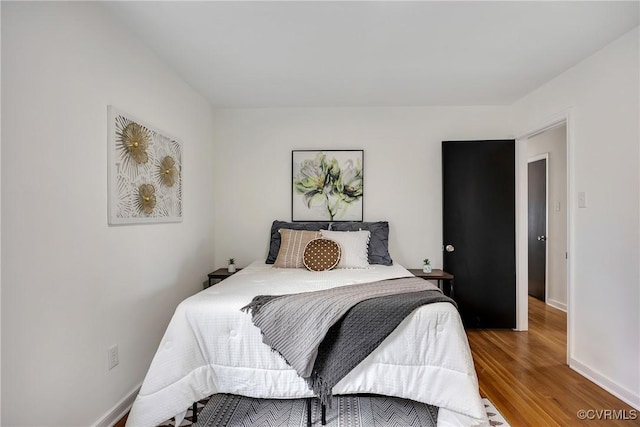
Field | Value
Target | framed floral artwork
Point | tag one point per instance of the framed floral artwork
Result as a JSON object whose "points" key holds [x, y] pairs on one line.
{"points": [[145, 172], [327, 185]]}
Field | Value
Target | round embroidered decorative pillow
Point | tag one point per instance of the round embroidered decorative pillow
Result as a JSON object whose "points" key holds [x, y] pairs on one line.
{"points": [[321, 254]]}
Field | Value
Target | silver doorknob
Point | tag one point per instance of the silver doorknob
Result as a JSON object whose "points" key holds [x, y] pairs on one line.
{"points": [[449, 248], [542, 238]]}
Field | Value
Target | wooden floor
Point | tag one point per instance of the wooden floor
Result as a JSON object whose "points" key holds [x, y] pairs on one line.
{"points": [[526, 376]]}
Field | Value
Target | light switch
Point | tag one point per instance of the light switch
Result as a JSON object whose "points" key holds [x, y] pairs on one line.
{"points": [[582, 199], [556, 207]]}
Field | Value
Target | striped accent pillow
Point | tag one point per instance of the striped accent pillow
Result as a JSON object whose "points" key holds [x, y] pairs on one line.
{"points": [[292, 244]]}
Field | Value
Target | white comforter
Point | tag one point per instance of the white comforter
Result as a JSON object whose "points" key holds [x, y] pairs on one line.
{"points": [[210, 347]]}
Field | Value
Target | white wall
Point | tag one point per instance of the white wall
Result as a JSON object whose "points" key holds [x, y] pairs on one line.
{"points": [[402, 169], [602, 95], [0, 229], [554, 142], [72, 285]]}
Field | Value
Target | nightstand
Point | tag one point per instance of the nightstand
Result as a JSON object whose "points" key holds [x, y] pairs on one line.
{"points": [[436, 274], [220, 274]]}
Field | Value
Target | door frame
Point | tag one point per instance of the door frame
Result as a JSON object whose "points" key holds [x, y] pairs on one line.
{"points": [[543, 156], [522, 305]]}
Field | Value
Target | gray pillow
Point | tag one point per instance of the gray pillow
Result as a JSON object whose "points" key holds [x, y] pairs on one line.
{"points": [[378, 243], [274, 243]]}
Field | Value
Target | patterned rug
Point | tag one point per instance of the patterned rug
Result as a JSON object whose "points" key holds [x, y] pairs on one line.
{"points": [[353, 411]]}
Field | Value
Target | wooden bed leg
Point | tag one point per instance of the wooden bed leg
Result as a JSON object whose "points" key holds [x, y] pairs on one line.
{"points": [[324, 415], [309, 411], [195, 412]]}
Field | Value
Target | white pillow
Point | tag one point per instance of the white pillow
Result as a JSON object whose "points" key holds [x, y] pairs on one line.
{"points": [[354, 247]]}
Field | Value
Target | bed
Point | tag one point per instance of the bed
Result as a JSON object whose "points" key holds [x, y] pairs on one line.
{"points": [[211, 346]]}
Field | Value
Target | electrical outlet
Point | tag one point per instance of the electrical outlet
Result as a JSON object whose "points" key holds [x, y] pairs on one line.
{"points": [[112, 354]]}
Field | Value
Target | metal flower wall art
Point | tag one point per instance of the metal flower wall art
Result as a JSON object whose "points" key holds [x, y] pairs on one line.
{"points": [[145, 173], [327, 185], [134, 138], [168, 171], [146, 198]]}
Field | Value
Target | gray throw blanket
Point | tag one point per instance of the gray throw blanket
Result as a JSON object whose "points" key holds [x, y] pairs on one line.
{"points": [[361, 331], [295, 325]]}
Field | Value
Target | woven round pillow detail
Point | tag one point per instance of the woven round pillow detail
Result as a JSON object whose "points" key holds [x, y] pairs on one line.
{"points": [[321, 254]]}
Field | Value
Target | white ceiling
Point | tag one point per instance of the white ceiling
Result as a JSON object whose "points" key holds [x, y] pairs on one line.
{"points": [[380, 53]]}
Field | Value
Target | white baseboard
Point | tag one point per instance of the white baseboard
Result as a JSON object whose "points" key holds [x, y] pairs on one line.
{"points": [[617, 390], [117, 412], [557, 304]]}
